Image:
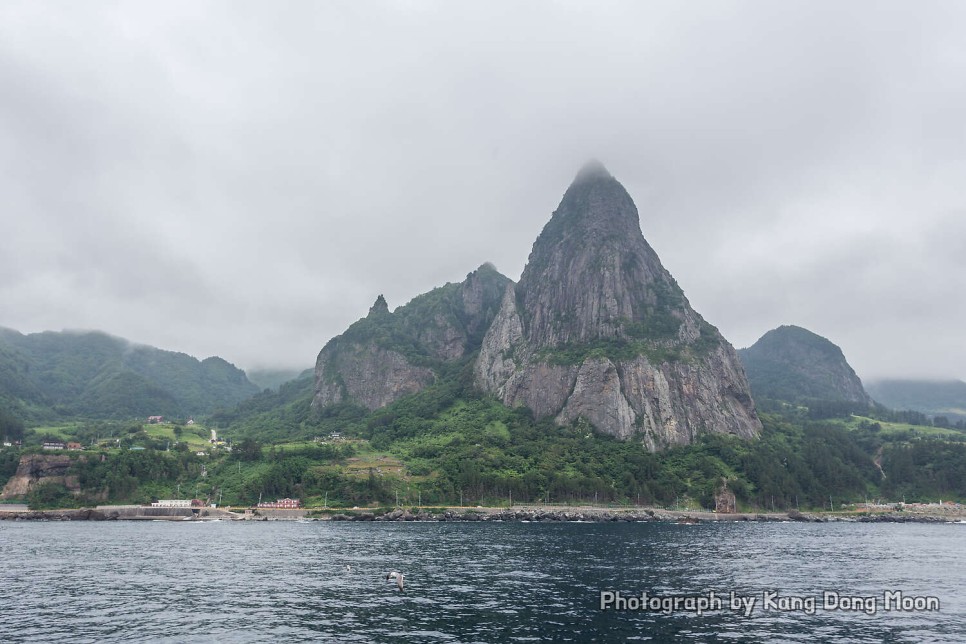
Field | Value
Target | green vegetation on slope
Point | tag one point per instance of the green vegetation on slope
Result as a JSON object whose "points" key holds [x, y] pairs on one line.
{"points": [[48, 376], [933, 397], [795, 365], [447, 444]]}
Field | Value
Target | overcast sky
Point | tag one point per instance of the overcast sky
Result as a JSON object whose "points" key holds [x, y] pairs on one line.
{"points": [[243, 179]]}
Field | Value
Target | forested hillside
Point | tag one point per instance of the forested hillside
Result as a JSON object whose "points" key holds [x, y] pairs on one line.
{"points": [[939, 398], [50, 375]]}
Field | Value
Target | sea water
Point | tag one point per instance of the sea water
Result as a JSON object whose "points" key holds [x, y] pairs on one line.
{"points": [[481, 582]]}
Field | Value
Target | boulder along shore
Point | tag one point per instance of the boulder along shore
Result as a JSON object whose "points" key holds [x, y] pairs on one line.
{"points": [[544, 514]]}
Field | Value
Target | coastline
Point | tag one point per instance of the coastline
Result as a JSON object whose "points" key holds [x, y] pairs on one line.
{"points": [[536, 514]]}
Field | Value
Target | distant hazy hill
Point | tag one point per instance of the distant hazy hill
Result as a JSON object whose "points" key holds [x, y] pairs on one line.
{"points": [[97, 375], [793, 364], [934, 397], [274, 378]]}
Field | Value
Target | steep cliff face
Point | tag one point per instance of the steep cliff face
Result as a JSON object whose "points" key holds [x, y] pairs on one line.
{"points": [[793, 364], [367, 374], [387, 355], [598, 329], [39, 468]]}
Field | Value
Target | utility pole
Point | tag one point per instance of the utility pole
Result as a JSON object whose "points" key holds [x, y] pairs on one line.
{"points": [[326, 503]]}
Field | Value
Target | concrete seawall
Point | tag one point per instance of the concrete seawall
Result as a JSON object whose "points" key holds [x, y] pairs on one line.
{"points": [[119, 513]]}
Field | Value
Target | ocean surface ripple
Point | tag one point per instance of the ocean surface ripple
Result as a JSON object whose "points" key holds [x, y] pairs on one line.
{"points": [[468, 582]]}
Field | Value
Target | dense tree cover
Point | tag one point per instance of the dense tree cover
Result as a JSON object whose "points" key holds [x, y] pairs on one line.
{"points": [[60, 375], [924, 469], [286, 415], [932, 397], [136, 476], [795, 365], [448, 443], [9, 459], [816, 409], [11, 427], [275, 378], [455, 444], [50, 495], [489, 452]]}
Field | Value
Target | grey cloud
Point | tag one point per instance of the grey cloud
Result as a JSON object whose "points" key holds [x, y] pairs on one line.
{"points": [[262, 173]]}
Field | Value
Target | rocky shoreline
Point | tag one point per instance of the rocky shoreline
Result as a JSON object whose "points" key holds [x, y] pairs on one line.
{"points": [[537, 515], [83, 514], [626, 516]]}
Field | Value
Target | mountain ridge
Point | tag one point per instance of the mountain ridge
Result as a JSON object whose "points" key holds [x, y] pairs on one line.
{"points": [[95, 374], [390, 354], [936, 397], [793, 364]]}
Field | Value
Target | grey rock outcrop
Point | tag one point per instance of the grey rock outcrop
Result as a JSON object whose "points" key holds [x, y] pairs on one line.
{"points": [[598, 329], [35, 469], [368, 374], [388, 355]]}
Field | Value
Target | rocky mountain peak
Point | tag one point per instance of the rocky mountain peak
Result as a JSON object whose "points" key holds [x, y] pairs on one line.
{"points": [[593, 169], [378, 307], [598, 329], [794, 364], [387, 355], [591, 274]]}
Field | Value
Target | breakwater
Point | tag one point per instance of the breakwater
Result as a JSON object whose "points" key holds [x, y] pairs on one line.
{"points": [[127, 513]]}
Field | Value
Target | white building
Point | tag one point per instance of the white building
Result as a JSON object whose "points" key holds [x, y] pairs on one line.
{"points": [[172, 503]]}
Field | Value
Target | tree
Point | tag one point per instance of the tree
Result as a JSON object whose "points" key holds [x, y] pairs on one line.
{"points": [[248, 450], [11, 427]]}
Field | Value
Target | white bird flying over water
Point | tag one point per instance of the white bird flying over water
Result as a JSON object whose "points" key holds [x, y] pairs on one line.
{"points": [[398, 576]]}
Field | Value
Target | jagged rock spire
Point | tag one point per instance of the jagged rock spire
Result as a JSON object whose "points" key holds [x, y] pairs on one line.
{"points": [[593, 169], [598, 329], [379, 306], [592, 275]]}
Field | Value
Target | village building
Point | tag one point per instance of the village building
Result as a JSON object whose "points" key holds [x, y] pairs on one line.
{"points": [[171, 503]]}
